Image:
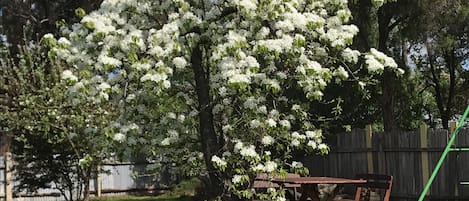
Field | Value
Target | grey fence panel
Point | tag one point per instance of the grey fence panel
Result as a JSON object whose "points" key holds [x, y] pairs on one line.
{"points": [[120, 177]]}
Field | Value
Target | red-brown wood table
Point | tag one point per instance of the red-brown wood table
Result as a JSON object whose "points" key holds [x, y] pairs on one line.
{"points": [[309, 185]]}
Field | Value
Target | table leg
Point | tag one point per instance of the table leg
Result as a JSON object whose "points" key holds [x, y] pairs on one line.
{"points": [[309, 191]]}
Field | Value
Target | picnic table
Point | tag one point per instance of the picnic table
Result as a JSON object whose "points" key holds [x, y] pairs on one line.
{"points": [[309, 185]]}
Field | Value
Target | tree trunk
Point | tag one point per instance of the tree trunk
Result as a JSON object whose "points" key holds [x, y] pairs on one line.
{"points": [[208, 136], [86, 181], [452, 63], [388, 79], [388, 101], [363, 20]]}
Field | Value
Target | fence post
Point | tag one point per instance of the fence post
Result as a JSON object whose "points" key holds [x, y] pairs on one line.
{"points": [[453, 163], [369, 146], [8, 180], [424, 153]]}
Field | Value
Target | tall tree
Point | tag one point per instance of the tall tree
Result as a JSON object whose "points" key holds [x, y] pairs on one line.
{"points": [[379, 25], [442, 50], [214, 79]]}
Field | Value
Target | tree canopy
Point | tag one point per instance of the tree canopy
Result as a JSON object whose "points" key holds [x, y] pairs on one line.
{"points": [[227, 84]]}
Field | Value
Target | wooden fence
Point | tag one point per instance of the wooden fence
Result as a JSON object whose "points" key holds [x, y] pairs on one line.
{"points": [[118, 179], [409, 156]]}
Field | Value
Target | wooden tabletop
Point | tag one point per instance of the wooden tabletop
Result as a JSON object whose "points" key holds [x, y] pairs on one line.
{"points": [[319, 180]]}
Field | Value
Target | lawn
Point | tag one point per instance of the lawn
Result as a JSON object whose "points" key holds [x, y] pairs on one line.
{"points": [[184, 191], [145, 198]]}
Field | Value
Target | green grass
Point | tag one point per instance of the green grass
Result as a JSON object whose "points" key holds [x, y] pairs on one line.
{"points": [[145, 198], [184, 191]]}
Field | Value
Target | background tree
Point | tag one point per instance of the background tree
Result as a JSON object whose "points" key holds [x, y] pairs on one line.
{"points": [[440, 52], [32, 19], [383, 25]]}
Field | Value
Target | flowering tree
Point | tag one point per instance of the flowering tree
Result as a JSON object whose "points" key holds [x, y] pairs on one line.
{"points": [[222, 87], [56, 144]]}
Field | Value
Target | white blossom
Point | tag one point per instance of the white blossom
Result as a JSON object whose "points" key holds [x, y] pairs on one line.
{"points": [[236, 179], [350, 55], [361, 84], [296, 164], [295, 142], [255, 123], [377, 3], [297, 135], [238, 146], [240, 78], [110, 61], [48, 36], [268, 140], [119, 137], [285, 123], [171, 115], [323, 147], [270, 166], [227, 128], [373, 64], [271, 122], [312, 144], [104, 86], [314, 134], [68, 75], [250, 103], [179, 62], [64, 42], [262, 109], [130, 97], [218, 161], [258, 167], [166, 141], [249, 151], [341, 72], [296, 107], [280, 198], [248, 4]]}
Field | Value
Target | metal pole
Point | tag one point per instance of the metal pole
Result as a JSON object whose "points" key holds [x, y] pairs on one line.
{"points": [[443, 156]]}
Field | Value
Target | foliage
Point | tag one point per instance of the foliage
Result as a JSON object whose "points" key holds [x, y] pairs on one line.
{"points": [[32, 19], [440, 53], [223, 88], [55, 143]]}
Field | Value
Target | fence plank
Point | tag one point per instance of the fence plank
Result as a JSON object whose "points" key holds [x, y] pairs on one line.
{"points": [[8, 178], [424, 155], [369, 154]]}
